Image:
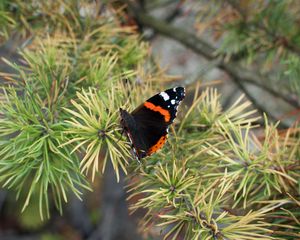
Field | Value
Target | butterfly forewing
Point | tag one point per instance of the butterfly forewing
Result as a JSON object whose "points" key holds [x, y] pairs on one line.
{"points": [[166, 103]]}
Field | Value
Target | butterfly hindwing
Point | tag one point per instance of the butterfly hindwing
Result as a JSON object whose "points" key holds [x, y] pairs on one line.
{"points": [[152, 127]]}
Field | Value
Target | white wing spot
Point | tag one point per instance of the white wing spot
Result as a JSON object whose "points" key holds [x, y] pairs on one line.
{"points": [[169, 106], [165, 96], [174, 89], [173, 101]]}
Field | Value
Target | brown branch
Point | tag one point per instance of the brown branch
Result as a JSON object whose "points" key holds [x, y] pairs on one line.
{"points": [[186, 38], [116, 222], [153, 5], [169, 18], [291, 101], [258, 106]]}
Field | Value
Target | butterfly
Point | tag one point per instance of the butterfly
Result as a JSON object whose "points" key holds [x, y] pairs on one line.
{"points": [[148, 125]]}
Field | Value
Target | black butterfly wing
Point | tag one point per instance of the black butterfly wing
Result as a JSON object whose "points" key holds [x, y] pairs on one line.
{"points": [[166, 103], [153, 118]]}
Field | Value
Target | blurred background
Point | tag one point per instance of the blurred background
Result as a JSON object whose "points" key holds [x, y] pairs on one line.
{"points": [[239, 47]]}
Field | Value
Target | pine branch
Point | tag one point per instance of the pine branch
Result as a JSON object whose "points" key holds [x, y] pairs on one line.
{"points": [[274, 38], [203, 48], [218, 177], [67, 116]]}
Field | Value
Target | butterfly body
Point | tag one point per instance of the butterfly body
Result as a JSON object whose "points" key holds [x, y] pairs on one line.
{"points": [[147, 126]]}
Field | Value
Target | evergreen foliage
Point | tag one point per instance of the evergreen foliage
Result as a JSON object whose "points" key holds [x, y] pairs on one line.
{"points": [[220, 176], [221, 181], [261, 34], [40, 110]]}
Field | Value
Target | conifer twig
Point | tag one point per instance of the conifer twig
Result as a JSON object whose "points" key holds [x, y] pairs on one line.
{"points": [[203, 48], [287, 44]]}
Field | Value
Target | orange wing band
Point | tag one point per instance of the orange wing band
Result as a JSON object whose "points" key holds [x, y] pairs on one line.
{"points": [[159, 109], [158, 145]]}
